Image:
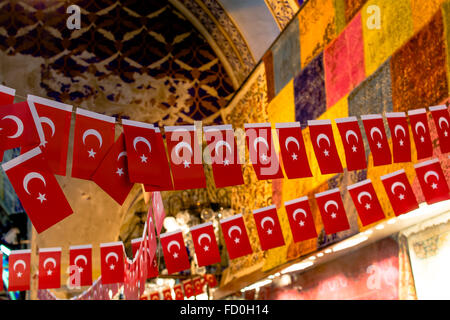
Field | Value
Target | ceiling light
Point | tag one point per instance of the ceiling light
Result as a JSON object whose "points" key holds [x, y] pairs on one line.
{"points": [[312, 258], [277, 274], [257, 285], [349, 243], [368, 232], [328, 251], [297, 267], [271, 276], [320, 254], [380, 227], [392, 221]]}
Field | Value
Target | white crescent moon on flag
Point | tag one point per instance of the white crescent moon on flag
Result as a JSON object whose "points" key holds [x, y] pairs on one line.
{"points": [[399, 128], [202, 236], [19, 125], [324, 137], [397, 184], [289, 140], [92, 132], [420, 125], [364, 194], [20, 261], [112, 254], [180, 145], [375, 130], [351, 133], [234, 228], [220, 144], [52, 260], [48, 122], [173, 243], [441, 120], [30, 176], [122, 154], [260, 140], [297, 211], [144, 140], [430, 173], [264, 220], [330, 203], [80, 257]]}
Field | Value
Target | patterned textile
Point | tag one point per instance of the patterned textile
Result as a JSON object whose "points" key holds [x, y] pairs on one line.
{"points": [[406, 288]]}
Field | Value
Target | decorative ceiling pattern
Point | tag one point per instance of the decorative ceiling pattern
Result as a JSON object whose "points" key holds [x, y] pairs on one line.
{"points": [[283, 11]]}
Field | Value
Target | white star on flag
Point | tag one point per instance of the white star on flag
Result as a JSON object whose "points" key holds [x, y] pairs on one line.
{"points": [[422, 139], [19, 274], [43, 143], [111, 267], [264, 157], [294, 156], [143, 159], [206, 248], [333, 215], [92, 153], [367, 206], [326, 153], [119, 171], [236, 240], [49, 272], [186, 163], [301, 223], [226, 162], [401, 142], [401, 196], [80, 269], [379, 145], [434, 186], [445, 133], [175, 255], [41, 197], [354, 148], [269, 231]]}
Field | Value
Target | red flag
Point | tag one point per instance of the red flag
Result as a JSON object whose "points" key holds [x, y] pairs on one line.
{"points": [[175, 252], [441, 119], [158, 208], [399, 191], [164, 180], [236, 237], [225, 161], [37, 188], [187, 167], [378, 142], [258, 137], [55, 121], [432, 181], [355, 155], [301, 219], [178, 292], [151, 243], [324, 146], [293, 151], [6, 95], [93, 137], [20, 126], [112, 173], [366, 202], [19, 270], [198, 285], [188, 288], [155, 296], [211, 280], [167, 294], [153, 270], [135, 245], [418, 120], [268, 227], [332, 210], [112, 262], [81, 257], [398, 125], [205, 244], [50, 268]]}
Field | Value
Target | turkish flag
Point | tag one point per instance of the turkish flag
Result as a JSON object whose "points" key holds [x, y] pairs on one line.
{"points": [[432, 181], [211, 280], [112, 173], [93, 137], [355, 155], [399, 191], [145, 256], [164, 180], [418, 120], [112, 262], [178, 292], [332, 210], [188, 288], [398, 125], [225, 163], [175, 252], [81, 257], [293, 151], [205, 244], [441, 119], [49, 268], [185, 156], [20, 126], [135, 245], [366, 202], [55, 121], [37, 188], [167, 294], [378, 142], [155, 296], [236, 237], [258, 137], [6, 95], [153, 270], [158, 209], [268, 227], [198, 285], [300, 219], [151, 240], [324, 146], [19, 270]]}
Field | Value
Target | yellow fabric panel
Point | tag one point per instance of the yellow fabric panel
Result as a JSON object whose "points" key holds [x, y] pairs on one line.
{"points": [[423, 11], [396, 27], [282, 107]]}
